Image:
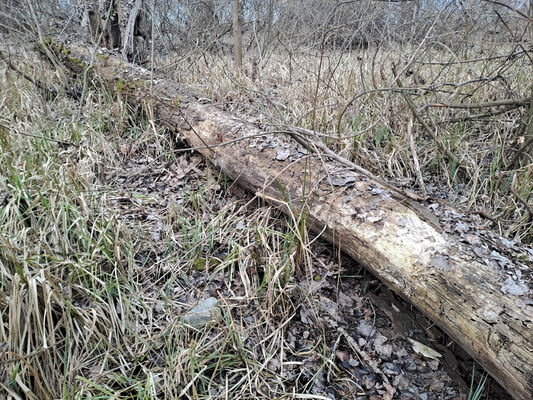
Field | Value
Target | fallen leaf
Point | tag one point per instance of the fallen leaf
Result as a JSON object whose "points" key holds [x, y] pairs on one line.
{"points": [[513, 288], [283, 154], [343, 180], [341, 355], [365, 329], [384, 350], [501, 259], [424, 350]]}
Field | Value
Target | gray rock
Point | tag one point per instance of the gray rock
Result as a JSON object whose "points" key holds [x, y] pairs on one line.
{"points": [[206, 312], [283, 154]]}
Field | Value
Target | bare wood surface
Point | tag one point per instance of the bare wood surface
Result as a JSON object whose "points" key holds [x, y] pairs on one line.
{"points": [[452, 281]]}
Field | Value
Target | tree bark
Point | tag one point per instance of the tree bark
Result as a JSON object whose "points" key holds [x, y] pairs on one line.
{"points": [[128, 14], [452, 278], [237, 36], [117, 24]]}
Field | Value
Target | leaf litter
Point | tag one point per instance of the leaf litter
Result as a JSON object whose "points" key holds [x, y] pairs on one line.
{"points": [[277, 332], [287, 322]]}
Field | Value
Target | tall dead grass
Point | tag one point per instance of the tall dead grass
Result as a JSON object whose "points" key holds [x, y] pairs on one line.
{"points": [[98, 264], [354, 99], [99, 261]]}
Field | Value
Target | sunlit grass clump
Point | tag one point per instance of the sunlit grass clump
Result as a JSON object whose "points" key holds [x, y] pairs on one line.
{"points": [[98, 266]]}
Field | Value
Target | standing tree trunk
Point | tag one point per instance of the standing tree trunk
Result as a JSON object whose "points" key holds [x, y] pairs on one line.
{"points": [[129, 16], [117, 24], [100, 23], [237, 36]]}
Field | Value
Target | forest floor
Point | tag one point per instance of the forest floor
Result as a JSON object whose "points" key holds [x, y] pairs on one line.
{"points": [[111, 232]]}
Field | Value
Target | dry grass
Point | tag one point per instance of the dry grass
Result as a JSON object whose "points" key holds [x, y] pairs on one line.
{"points": [[108, 235], [354, 99], [103, 248]]}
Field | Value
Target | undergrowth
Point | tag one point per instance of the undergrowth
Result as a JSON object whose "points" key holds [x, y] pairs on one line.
{"points": [[98, 263], [354, 100], [108, 233]]}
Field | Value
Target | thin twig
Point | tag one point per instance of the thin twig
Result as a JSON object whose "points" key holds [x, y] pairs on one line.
{"points": [[477, 117], [525, 16], [61, 142], [297, 133], [415, 158], [424, 124], [473, 60], [527, 143], [519, 198], [504, 102]]}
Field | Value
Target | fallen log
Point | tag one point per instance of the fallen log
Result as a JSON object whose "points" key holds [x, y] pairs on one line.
{"points": [[456, 279]]}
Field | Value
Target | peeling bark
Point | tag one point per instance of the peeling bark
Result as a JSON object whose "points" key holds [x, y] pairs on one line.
{"points": [[451, 281]]}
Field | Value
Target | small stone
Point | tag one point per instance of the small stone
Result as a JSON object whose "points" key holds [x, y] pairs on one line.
{"points": [[207, 311], [365, 329], [411, 366]]}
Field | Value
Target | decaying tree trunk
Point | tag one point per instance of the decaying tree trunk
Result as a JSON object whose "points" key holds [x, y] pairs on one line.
{"points": [[454, 280]]}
